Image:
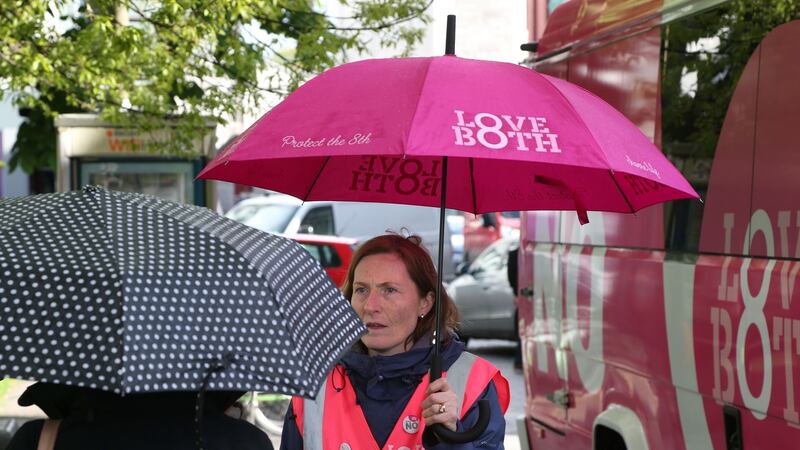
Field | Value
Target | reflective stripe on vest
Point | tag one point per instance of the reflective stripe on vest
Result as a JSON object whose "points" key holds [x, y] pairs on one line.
{"points": [[467, 377]]}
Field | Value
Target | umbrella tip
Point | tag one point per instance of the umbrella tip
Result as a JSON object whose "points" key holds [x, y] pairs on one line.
{"points": [[450, 43]]}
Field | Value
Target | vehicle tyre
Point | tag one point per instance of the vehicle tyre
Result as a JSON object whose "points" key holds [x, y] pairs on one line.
{"points": [[608, 439]]}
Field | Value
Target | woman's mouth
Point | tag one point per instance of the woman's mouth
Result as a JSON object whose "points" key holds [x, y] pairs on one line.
{"points": [[374, 326]]}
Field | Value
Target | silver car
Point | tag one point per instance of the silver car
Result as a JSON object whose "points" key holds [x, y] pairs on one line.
{"points": [[484, 297]]}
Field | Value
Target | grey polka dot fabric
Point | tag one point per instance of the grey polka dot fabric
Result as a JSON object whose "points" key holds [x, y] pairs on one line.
{"points": [[129, 293]]}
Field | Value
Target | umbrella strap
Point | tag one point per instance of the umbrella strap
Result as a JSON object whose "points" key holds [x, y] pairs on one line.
{"points": [[218, 365], [339, 371], [583, 216]]}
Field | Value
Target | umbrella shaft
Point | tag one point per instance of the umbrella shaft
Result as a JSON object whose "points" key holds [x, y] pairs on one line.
{"points": [[436, 360]]}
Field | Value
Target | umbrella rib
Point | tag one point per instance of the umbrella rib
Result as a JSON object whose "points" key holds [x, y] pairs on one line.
{"points": [[416, 106], [319, 174], [625, 197], [472, 185]]}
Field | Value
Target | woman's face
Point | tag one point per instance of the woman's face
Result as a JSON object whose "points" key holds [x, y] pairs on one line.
{"points": [[387, 301]]}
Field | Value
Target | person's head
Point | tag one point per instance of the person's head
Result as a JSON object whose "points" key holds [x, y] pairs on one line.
{"points": [[391, 283]]}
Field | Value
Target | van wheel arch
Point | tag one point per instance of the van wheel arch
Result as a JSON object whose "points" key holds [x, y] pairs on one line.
{"points": [[619, 428]]}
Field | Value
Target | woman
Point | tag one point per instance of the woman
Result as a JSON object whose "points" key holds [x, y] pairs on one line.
{"points": [[88, 419], [379, 395]]}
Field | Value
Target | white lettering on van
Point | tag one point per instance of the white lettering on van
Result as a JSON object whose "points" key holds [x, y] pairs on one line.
{"points": [[588, 359], [721, 321], [550, 295], [784, 336], [753, 315], [785, 330], [789, 269], [728, 292], [548, 308], [789, 330]]}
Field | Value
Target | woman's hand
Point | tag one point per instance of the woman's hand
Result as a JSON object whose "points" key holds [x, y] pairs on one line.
{"points": [[440, 405]]}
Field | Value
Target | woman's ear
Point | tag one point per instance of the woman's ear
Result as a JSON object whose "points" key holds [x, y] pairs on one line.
{"points": [[426, 304]]}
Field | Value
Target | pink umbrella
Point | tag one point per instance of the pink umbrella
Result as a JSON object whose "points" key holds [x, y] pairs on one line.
{"points": [[477, 136], [378, 131]]}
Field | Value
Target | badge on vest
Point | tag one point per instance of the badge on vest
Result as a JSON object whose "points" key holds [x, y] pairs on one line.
{"points": [[411, 424]]}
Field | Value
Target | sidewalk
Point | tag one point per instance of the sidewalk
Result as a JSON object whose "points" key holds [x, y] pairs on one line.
{"points": [[512, 442]]}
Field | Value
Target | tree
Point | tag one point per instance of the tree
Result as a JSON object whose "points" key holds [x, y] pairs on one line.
{"points": [[140, 63]]}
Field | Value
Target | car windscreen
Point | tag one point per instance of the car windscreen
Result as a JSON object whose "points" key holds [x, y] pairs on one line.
{"points": [[270, 218]]}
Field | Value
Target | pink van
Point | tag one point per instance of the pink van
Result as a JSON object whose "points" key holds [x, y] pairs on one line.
{"points": [[679, 327]]}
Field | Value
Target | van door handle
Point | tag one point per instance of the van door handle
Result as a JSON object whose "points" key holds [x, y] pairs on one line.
{"points": [[526, 291], [561, 398]]}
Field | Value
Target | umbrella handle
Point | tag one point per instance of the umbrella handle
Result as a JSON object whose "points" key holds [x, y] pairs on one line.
{"points": [[462, 437]]}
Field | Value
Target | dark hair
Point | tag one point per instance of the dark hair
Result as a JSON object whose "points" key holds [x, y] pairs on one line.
{"points": [[422, 272]]}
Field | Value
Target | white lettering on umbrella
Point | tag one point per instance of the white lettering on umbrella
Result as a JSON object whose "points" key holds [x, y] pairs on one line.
{"points": [[334, 141], [491, 131], [644, 165]]}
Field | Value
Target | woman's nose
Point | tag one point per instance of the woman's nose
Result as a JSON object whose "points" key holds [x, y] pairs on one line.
{"points": [[373, 301]]}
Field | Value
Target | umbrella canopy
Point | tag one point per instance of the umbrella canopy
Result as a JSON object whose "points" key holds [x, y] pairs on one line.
{"points": [[129, 293], [377, 130]]}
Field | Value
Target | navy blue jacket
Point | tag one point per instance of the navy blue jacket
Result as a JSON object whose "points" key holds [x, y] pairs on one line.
{"points": [[383, 386]]}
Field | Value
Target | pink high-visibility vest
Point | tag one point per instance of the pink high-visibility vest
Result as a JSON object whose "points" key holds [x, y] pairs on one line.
{"points": [[338, 423]]}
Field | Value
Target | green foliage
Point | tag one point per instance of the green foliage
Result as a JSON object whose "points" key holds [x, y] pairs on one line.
{"points": [[186, 61], [691, 123]]}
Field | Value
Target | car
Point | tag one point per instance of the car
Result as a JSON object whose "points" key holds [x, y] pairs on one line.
{"points": [[484, 297], [333, 253], [284, 214], [455, 221], [480, 230]]}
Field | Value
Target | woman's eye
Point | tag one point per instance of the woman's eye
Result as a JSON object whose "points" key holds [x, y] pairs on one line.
{"points": [[360, 290], [390, 290]]}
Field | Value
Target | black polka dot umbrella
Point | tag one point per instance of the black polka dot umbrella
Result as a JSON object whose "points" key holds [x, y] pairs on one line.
{"points": [[129, 293]]}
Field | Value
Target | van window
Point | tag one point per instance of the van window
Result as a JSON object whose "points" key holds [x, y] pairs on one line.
{"points": [[271, 218], [318, 221], [325, 254], [510, 214], [710, 99], [701, 65]]}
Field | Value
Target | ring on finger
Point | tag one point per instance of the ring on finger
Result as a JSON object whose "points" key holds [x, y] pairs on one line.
{"points": [[442, 408]]}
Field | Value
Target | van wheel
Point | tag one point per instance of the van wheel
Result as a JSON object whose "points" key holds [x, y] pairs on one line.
{"points": [[608, 439]]}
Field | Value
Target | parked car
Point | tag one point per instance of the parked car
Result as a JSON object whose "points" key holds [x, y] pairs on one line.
{"points": [[484, 296], [480, 230], [284, 214], [333, 253], [455, 221]]}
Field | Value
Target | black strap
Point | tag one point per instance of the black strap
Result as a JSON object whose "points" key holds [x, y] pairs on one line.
{"points": [[218, 365]]}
